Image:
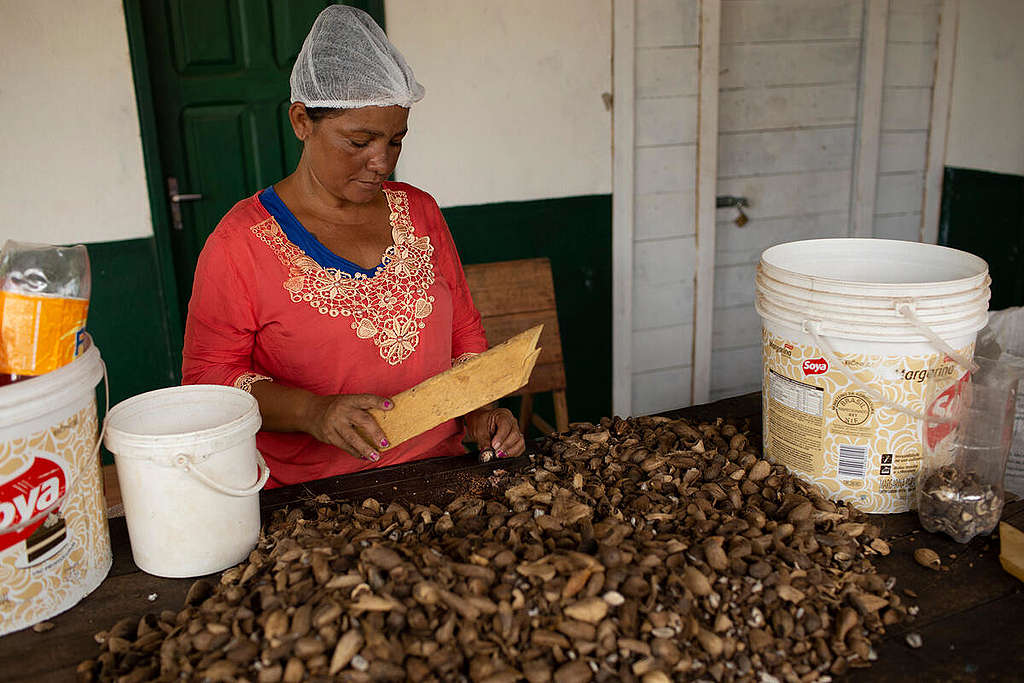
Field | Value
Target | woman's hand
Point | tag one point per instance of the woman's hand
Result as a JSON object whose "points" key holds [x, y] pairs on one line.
{"points": [[495, 428], [343, 420]]}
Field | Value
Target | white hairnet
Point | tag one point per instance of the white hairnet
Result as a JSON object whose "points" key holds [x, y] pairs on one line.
{"points": [[346, 62]]}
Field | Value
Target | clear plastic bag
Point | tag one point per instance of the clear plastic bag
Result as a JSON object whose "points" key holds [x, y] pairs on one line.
{"points": [[960, 486], [44, 303]]}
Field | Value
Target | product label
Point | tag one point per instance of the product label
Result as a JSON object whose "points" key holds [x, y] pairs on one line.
{"points": [[852, 446], [39, 333], [51, 564], [797, 425], [26, 498]]}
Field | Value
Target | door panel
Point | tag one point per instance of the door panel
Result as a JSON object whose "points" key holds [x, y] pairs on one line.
{"points": [[205, 36], [219, 71], [790, 127], [291, 20], [224, 177]]}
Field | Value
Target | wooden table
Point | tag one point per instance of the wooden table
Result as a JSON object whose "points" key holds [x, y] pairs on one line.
{"points": [[971, 616]]}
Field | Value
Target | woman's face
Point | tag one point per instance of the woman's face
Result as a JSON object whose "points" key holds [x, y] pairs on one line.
{"points": [[350, 154]]}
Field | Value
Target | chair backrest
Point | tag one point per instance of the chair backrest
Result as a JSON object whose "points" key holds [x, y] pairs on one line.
{"points": [[513, 296]]}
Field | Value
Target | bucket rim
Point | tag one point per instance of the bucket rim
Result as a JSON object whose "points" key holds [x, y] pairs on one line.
{"points": [[951, 300], [896, 332], [853, 313], [20, 398], [826, 283], [118, 438]]}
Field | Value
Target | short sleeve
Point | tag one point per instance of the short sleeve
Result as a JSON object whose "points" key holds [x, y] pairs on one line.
{"points": [[221, 325]]}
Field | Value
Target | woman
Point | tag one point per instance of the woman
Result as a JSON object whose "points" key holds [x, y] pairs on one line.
{"points": [[333, 290]]}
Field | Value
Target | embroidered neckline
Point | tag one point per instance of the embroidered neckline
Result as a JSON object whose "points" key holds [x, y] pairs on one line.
{"points": [[391, 307]]}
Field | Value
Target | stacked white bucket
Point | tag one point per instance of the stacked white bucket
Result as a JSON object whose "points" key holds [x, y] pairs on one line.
{"points": [[861, 338]]}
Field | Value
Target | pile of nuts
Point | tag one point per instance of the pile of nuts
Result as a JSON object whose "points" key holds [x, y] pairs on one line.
{"points": [[956, 502], [641, 549]]}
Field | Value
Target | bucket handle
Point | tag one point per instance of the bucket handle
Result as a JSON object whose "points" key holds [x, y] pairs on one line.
{"points": [[188, 463], [905, 307], [813, 328], [43, 514]]}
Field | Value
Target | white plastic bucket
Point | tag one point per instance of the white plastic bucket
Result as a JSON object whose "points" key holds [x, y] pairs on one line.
{"points": [[861, 340], [190, 477], [54, 541]]}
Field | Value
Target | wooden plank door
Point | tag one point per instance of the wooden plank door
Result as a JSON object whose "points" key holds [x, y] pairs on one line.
{"points": [[219, 73], [829, 113], [665, 152]]}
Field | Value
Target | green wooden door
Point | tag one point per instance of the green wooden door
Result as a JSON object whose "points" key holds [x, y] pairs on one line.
{"points": [[219, 77]]}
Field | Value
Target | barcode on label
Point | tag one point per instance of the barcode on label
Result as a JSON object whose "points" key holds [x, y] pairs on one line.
{"points": [[852, 461]]}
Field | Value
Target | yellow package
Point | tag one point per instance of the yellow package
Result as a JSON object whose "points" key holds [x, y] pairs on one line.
{"points": [[39, 333], [44, 301]]}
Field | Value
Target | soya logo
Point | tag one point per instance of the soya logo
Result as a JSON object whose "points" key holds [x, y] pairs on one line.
{"points": [[815, 366], [28, 495]]}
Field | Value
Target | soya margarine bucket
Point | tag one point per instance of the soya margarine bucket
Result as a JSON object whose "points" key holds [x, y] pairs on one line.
{"points": [[864, 343], [190, 477], [54, 541]]}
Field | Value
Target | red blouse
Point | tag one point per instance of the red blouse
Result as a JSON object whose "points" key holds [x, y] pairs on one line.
{"points": [[261, 308]]}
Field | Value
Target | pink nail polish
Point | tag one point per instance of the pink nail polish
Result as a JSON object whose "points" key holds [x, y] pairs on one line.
{"points": [[387, 404], [374, 456], [502, 454], [384, 443]]}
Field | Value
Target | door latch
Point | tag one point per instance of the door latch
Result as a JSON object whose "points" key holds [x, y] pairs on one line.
{"points": [[176, 198], [726, 201]]}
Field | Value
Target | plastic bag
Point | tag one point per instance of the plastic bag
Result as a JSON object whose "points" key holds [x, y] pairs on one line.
{"points": [[1007, 331], [44, 303]]}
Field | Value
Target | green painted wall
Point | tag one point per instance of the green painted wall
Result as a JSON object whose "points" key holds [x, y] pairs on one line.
{"points": [[576, 234], [983, 213], [127, 319]]}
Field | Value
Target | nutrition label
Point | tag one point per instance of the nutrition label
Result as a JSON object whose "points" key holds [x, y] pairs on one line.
{"points": [[796, 422], [803, 397]]}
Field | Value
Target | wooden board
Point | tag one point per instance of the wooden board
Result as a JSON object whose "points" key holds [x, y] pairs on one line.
{"points": [[1011, 553], [969, 616], [482, 379]]}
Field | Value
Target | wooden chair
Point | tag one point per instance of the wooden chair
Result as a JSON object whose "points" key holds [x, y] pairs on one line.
{"points": [[513, 296]]}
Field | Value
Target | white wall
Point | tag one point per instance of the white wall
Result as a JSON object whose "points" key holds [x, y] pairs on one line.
{"points": [[513, 109], [987, 113], [72, 166]]}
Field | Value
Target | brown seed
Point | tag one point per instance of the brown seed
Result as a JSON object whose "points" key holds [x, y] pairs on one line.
{"points": [[270, 674], [787, 592], [199, 591], [223, 670], [590, 610], [715, 554], [654, 548], [385, 558], [759, 471], [348, 645], [574, 672], [277, 624], [695, 580], [867, 603], [308, 647], [656, 677], [294, 671], [926, 557], [711, 643]]}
